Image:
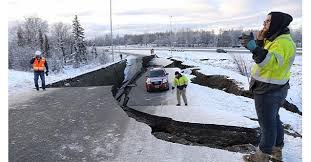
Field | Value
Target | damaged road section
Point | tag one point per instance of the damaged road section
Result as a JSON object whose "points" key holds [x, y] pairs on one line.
{"points": [[111, 75], [231, 138], [231, 86], [177, 63], [223, 83]]}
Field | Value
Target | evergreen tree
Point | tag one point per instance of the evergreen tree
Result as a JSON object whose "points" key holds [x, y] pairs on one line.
{"points": [[79, 46]]}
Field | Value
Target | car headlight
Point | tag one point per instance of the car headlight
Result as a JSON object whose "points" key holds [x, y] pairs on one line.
{"points": [[148, 81], [164, 80]]}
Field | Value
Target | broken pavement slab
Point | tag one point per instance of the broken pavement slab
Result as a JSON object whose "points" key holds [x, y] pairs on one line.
{"points": [[67, 124]]}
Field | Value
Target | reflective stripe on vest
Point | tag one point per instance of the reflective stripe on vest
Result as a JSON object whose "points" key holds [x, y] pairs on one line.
{"points": [[279, 58], [275, 68], [38, 64]]}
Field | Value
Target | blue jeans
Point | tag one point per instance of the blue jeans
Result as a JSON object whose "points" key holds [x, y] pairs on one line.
{"points": [[36, 77], [267, 108]]}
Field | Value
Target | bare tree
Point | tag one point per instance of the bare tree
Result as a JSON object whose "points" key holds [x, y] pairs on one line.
{"points": [[241, 65], [20, 37], [46, 46], [32, 27], [61, 35]]}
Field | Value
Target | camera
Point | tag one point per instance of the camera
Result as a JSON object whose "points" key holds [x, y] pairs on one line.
{"points": [[250, 34]]}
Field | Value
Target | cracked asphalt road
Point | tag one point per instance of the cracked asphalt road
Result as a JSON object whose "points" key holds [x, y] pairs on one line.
{"points": [[66, 124]]}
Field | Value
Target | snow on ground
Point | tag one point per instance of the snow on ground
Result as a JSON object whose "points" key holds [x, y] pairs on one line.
{"points": [[160, 61], [21, 81], [207, 105], [211, 70], [213, 106], [140, 145], [226, 66]]}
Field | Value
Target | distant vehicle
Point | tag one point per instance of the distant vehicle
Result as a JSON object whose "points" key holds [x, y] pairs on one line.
{"points": [[176, 50], [236, 46], [221, 50], [157, 79]]}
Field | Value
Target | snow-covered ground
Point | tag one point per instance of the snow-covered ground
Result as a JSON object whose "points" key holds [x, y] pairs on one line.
{"points": [[213, 63], [140, 145], [21, 81], [206, 105], [213, 106]]}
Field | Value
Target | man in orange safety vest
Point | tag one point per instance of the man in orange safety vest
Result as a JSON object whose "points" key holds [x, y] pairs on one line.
{"points": [[39, 64]]}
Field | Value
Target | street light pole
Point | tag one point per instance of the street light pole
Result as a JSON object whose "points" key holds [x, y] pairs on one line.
{"points": [[111, 36], [171, 34], [119, 37]]}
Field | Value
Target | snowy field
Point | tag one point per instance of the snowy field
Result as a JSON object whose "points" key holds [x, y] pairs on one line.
{"points": [[213, 63], [21, 81], [213, 106], [206, 105]]}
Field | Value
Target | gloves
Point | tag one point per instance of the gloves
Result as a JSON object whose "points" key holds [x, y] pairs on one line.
{"points": [[47, 73], [248, 41]]}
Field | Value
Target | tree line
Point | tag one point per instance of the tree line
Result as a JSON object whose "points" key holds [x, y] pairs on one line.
{"points": [[62, 44], [185, 38], [65, 44]]}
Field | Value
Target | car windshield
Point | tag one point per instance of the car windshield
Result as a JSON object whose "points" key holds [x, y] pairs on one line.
{"points": [[157, 73]]}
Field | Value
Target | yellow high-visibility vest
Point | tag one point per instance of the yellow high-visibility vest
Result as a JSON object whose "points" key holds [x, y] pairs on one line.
{"points": [[181, 81], [275, 68]]}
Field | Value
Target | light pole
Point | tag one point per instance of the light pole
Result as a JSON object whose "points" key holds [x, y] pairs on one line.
{"points": [[111, 33], [171, 34], [119, 37]]}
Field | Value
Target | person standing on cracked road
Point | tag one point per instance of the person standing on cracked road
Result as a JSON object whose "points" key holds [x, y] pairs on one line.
{"points": [[274, 53], [181, 82], [39, 64]]}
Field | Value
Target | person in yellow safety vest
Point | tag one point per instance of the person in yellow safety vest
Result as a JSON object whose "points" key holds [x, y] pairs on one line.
{"points": [[181, 82], [39, 64], [274, 53]]}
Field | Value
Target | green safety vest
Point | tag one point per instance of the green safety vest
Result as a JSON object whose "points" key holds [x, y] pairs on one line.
{"points": [[275, 68]]}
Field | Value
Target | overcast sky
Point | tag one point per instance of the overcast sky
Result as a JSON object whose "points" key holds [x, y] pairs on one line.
{"points": [[141, 16]]}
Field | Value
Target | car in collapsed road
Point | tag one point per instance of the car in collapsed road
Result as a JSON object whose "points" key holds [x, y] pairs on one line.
{"points": [[156, 79]]}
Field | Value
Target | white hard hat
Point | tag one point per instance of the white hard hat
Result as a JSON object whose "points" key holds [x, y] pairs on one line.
{"points": [[38, 53]]}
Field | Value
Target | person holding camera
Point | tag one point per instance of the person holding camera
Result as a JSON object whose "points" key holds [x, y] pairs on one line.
{"points": [[39, 64], [273, 53], [181, 82]]}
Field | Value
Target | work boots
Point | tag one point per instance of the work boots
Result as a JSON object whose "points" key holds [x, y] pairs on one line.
{"points": [[259, 156], [277, 153]]}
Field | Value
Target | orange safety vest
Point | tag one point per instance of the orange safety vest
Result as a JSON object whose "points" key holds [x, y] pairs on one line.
{"points": [[38, 64]]}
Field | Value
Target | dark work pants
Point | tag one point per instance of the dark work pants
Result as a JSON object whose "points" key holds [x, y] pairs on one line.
{"points": [[267, 108], [36, 77]]}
